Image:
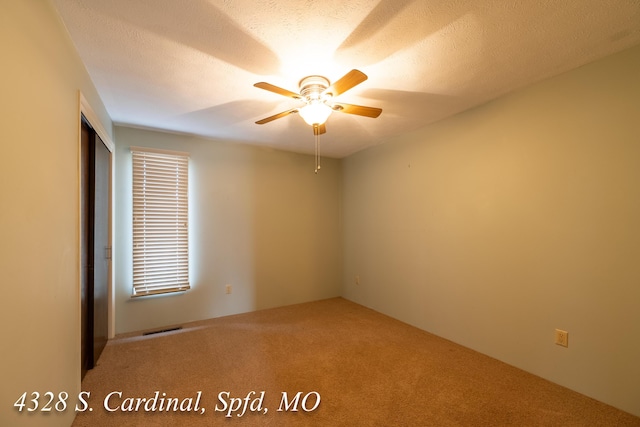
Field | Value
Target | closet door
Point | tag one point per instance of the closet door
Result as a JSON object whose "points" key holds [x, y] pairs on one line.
{"points": [[86, 224], [95, 253], [101, 249]]}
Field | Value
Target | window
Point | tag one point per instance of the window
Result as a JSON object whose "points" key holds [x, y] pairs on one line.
{"points": [[160, 221]]}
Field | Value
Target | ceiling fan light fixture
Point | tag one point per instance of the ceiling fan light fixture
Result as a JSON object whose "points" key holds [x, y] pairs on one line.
{"points": [[315, 113], [317, 93]]}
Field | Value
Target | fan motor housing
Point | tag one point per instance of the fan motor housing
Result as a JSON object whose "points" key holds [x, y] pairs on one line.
{"points": [[311, 87]]}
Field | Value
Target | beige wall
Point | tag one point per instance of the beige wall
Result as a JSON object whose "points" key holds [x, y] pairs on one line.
{"points": [[261, 221], [39, 132], [503, 223]]}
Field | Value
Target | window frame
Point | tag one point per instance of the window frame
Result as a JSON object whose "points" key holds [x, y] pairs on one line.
{"points": [[160, 221]]}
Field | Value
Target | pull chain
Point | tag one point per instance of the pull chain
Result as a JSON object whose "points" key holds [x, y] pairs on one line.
{"points": [[318, 142], [317, 137]]}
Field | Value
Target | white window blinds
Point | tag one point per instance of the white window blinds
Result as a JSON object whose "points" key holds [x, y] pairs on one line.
{"points": [[160, 221]]}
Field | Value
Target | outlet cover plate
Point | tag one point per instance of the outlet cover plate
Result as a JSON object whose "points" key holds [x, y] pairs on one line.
{"points": [[562, 338]]}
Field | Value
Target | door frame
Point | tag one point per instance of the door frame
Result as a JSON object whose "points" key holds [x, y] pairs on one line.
{"points": [[88, 112]]}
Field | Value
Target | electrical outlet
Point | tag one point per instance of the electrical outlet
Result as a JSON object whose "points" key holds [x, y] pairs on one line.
{"points": [[562, 338], [357, 280], [227, 289]]}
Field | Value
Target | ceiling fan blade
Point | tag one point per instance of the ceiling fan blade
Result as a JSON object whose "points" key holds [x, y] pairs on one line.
{"points": [[278, 90], [276, 116], [357, 109], [319, 129], [349, 80]]}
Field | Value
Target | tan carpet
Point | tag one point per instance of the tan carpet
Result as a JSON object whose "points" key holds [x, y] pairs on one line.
{"points": [[369, 370]]}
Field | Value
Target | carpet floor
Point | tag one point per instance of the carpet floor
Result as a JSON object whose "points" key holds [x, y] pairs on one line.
{"points": [[325, 363]]}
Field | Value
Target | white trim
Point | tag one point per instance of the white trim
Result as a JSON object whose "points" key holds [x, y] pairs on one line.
{"points": [[85, 108]]}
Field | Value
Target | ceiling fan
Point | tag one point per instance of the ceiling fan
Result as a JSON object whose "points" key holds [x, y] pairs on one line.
{"points": [[318, 93]]}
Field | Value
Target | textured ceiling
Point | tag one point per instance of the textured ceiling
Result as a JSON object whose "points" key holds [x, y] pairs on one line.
{"points": [[189, 66]]}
